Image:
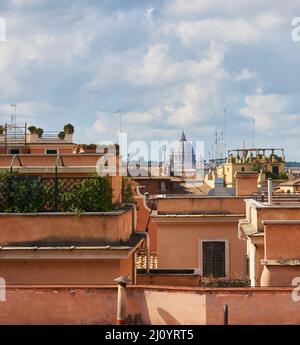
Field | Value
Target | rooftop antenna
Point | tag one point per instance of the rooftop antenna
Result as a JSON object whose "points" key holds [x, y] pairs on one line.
{"points": [[253, 130], [119, 112], [224, 131], [13, 116]]}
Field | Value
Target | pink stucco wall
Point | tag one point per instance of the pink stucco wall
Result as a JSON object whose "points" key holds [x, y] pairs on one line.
{"points": [[154, 305]]}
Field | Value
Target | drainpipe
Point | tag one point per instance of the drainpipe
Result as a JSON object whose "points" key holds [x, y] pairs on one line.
{"points": [[146, 233], [134, 216], [270, 190], [121, 304]]}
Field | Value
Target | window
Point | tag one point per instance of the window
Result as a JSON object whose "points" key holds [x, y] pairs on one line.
{"points": [[242, 168], [163, 186], [51, 152], [213, 259], [14, 151], [275, 170]]}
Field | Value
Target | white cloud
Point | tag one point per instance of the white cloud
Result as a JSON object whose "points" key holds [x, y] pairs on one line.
{"points": [[272, 112], [245, 74], [227, 31], [175, 64]]}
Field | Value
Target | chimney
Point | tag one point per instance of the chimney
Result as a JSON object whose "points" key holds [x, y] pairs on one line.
{"points": [[246, 183]]}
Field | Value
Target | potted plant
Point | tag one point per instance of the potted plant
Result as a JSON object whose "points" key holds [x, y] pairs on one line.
{"points": [[90, 148], [61, 135], [32, 129], [69, 129], [39, 132], [1, 129]]}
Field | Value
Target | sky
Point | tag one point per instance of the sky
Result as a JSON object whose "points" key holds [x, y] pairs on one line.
{"points": [[168, 65]]}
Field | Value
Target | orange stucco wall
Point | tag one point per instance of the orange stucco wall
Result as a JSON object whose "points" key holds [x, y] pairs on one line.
{"points": [[200, 204], [62, 149], [63, 272], [154, 305], [271, 213], [143, 214], [279, 275], [169, 279], [246, 185], [282, 241], [49, 160], [178, 244], [43, 226]]}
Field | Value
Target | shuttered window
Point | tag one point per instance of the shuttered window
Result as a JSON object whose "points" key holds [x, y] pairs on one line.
{"points": [[213, 259]]}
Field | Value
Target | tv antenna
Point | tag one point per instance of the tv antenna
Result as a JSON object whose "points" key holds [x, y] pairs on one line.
{"points": [[253, 130], [224, 132], [13, 114], [119, 112]]}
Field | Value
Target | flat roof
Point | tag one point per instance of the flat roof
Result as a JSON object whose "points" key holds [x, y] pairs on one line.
{"points": [[45, 214], [198, 196]]}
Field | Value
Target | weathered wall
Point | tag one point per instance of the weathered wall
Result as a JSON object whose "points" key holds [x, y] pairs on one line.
{"points": [[143, 214], [273, 213], [64, 272], [155, 305], [40, 160], [107, 226], [203, 204], [176, 249], [246, 183], [169, 279], [282, 241]]}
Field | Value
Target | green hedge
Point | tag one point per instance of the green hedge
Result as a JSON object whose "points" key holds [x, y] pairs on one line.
{"points": [[27, 194]]}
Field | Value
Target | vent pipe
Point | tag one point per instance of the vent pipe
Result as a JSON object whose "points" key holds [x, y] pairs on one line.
{"points": [[270, 191]]}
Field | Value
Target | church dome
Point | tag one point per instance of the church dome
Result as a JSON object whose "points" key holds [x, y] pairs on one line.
{"points": [[183, 159]]}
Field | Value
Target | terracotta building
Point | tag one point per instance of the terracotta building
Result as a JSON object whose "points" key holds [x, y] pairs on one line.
{"points": [[50, 247], [59, 248], [267, 160], [271, 230], [200, 232]]}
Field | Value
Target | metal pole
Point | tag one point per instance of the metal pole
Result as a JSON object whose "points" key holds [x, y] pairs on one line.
{"points": [[270, 191], [148, 254], [55, 188], [225, 314]]}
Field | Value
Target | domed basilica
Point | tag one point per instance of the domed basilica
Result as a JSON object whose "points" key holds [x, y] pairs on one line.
{"points": [[183, 158]]}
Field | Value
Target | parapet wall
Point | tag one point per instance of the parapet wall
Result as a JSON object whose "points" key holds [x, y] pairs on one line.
{"points": [[150, 305], [199, 205], [64, 227]]}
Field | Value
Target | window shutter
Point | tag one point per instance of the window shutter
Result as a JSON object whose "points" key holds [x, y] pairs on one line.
{"points": [[213, 259], [208, 259]]}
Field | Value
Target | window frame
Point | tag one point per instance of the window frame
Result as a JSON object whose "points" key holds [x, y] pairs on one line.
{"points": [[201, 256], [46, 152], [11, 153]]}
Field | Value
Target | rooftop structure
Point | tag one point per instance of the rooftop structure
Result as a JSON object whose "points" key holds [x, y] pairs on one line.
{"points": [[269, 161], [17, 139], [272, 229]]}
